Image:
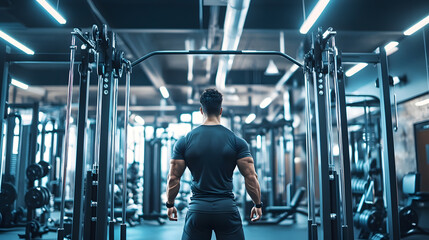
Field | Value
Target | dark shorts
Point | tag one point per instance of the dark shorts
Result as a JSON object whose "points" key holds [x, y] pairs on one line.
{"points": [[199, 226]]}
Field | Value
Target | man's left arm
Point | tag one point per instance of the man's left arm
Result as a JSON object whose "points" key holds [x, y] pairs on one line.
{"points": [[177, 167]]}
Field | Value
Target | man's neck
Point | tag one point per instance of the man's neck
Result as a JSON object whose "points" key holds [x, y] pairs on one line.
{"points": [[212, 120]]}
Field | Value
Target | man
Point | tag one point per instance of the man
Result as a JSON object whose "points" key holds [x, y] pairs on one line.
{"points": [[211, 152]]}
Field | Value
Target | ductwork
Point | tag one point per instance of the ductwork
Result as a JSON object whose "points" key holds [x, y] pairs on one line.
{"points": [[235, 17]]}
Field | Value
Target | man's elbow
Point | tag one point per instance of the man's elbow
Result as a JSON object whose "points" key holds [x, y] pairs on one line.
{"points": [[251, 177], [173, 178]]}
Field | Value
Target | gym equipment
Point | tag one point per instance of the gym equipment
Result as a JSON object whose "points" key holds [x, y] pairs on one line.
{"points": [[37, 197], [359, 186], [270, 143], [8, 194], [38, 170], [370, 220], [284, 211], [408, 219], [408, 215]]}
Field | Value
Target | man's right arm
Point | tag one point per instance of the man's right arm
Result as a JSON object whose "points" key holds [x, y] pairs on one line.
{"points": [[247, 169]]}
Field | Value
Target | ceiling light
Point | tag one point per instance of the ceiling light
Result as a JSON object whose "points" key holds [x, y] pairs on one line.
{"points": [[164, 92], [267, 101], [422, 103], [19, 84], [136, 119], [356, 68], [286, 77], [391, 47], [139, 120], [314, 15], [396, 80], [272, 69], [417, 26], [15, 43], [52, 11], [250, 118], [185, 117]]}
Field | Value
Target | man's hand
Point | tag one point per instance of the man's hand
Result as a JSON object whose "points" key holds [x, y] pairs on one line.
{"points": [[257, 212], [172, 213]]}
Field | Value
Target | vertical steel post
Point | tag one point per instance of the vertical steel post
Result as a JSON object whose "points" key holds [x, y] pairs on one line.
{"points": [[113, 163], [4, 90], [67, 137], [322, 143], [81, 144], [105, 138], [388, 153], [124, 181], [343, 143]]}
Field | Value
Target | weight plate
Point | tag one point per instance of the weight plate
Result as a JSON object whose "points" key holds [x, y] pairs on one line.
{"points": [[34, 172], [35, 198], [47, 194], [46, 167], [8, 194]]}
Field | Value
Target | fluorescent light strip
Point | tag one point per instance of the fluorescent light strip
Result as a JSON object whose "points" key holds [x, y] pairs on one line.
{"points": [[19, 84], [52, 11], [396, 80], [267, 101], [164, 92], [139, 120], [391, 45], [15, 43], [417, 26], [356, 68], [314, 15], [422, 103], [250, 118]]}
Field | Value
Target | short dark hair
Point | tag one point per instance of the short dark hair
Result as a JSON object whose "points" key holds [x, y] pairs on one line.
{"points": [[211, 101]]}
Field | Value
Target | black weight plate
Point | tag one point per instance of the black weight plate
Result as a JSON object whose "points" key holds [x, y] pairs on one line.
{"points": [[34, 172], [35, 198], [47, 195], [46, 167], [8, 194]]}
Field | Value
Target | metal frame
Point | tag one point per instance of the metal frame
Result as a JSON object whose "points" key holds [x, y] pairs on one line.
{"points": [[4, 86], [85, 72], [329, 188]]}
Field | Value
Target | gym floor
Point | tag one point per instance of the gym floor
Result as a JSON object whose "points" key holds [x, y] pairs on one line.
{"points": [[173, 230]]}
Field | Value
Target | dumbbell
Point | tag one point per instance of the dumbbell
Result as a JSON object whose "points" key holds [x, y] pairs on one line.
{"points": [[34, 227], [37, 197], [369, 220], [359, 186], [38, 170], [362, 167], [408, 219]]}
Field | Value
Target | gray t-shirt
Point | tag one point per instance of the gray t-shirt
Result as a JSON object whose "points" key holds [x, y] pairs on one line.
{"points": [[211, 153]]}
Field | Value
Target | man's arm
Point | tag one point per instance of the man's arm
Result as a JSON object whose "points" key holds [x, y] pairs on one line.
{"points": [[177, 167], [247, 169]]}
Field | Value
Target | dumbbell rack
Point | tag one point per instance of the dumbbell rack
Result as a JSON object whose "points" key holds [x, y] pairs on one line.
{"points": [[36, 197]]}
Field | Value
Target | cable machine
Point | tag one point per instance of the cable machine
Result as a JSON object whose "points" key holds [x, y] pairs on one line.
{"points": [[324, 83]]}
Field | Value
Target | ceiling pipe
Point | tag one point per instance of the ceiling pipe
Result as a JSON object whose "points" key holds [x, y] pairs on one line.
{"points": [[213, 27], [236, 12]]}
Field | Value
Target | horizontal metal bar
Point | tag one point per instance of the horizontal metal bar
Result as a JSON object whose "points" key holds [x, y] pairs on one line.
{"points": [[215, 52], [360, 58], [20, 105], [45, 58]]}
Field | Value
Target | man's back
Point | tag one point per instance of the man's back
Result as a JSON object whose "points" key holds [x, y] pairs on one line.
{"points": [[211, 153]]}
